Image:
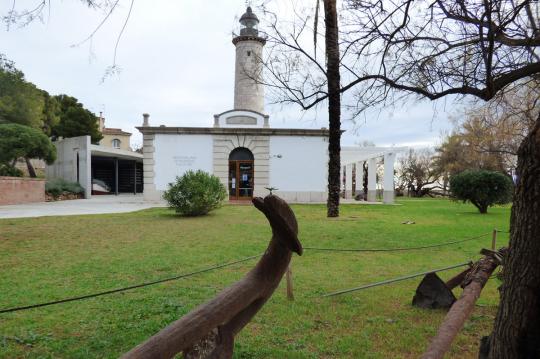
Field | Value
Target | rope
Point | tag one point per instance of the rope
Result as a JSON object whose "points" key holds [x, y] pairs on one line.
{"points": [[398, 279], [146, 284], [394, 249]]}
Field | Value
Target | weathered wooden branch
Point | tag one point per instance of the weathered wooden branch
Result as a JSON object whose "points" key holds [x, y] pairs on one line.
{"points": [[234, 307], [457, 279], [463, 307]]}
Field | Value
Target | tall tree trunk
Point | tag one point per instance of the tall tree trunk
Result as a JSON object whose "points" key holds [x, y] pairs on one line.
{"points": [[31, 171], [365, 179], [334, 106], [517, 326]]}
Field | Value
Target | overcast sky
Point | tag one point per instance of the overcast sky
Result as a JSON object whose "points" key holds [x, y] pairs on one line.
{"points": [[177, 64]]}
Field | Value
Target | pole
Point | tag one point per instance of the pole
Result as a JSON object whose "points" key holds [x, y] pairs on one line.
{"points": [[388, 281], [494, 240], [134, 177], [288, 276], [116, 176]]}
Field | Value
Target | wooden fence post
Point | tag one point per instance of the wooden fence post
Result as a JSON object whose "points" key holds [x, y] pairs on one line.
{"points": [[288, 275], [494, 240]]}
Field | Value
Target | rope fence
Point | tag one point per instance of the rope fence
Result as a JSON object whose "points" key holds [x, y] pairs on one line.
{"points": [[399, 249], [118, 290], [227, 264]]}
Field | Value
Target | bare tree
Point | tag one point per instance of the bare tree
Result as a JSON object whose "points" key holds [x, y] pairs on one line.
{"points": [[391, 49], [479, 48], [417, 173], [41, 9], [294, 71]]}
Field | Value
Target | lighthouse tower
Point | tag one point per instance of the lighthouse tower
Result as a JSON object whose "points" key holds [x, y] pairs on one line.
{"points": [[248, 91]]}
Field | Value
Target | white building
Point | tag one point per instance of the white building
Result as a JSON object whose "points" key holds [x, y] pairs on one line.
{"points": [[242, 149]]}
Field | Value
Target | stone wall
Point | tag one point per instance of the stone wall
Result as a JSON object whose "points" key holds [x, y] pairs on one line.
{"points": [[258, 145], [17, 190], [150, 193]]}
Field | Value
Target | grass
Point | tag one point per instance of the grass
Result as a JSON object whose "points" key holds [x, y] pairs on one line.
{"points": [[49, 258]]}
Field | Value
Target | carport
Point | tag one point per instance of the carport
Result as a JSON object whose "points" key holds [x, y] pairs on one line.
{"points": [[98, 169], [115, 171]]}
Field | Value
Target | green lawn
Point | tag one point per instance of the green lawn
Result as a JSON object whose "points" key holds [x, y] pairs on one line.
{"points": [[50, 258]]}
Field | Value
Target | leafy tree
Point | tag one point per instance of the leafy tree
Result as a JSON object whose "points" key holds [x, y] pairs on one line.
{"points": [[20, 101], [18, 141], [51, 113], [481, 188], [195, 193], [490, 134], [75, 120]]}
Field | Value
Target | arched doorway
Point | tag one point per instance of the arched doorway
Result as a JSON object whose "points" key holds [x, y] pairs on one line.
{"points": [[241, 170]]}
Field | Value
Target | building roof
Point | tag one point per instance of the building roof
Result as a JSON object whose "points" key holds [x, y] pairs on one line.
{"points": [[103, 151], [115, 131], [255, 131]]}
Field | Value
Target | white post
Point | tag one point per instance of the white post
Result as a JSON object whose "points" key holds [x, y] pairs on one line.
{"points": [[388, 181], [349, 180], [372, 180], [360, 179]]}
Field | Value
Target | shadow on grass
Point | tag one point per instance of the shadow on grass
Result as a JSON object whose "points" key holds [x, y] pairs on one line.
{"points": [[171, 214]]}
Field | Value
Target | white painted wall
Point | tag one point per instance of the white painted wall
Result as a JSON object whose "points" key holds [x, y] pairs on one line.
{"points": [[175, 154], [303, 165]]}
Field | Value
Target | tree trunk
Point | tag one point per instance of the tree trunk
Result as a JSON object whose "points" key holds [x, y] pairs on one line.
{"points": [[334, 107], [31, 171], [517, 325], [365, 179]]}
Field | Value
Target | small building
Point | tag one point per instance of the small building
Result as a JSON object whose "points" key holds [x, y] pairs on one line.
{"points": [[113, 137], [98, 169], [111, 167], [242, 148]]}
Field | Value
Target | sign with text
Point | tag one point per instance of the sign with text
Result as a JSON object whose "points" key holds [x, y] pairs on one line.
{"points": [[184, 161]]}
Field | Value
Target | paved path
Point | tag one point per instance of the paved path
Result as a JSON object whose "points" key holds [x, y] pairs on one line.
{"points": [[95, 205]]}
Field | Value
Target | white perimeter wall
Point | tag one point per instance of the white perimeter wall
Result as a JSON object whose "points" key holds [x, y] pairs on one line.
{"points": [[302, 166], [175, 154]]}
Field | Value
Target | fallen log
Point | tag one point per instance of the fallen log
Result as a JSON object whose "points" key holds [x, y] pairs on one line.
{"points": [[433, 293], [216, 323], [461, 310]]}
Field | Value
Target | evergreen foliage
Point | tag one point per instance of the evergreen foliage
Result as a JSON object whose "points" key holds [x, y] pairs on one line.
{"points": [[20, 101], [18, 141], [75, 120], [58, 186], [10, 171], [195, 193], [482, 188]]}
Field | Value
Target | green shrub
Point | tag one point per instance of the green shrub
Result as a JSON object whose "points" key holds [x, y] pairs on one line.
{"points": [[58, 186], [482, 188], [10, 171], [195, 193]]}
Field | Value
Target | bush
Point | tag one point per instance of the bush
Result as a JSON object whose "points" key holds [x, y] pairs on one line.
{"points": [[58, 186], [482, 188], [195, 193], [10, 171]]}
